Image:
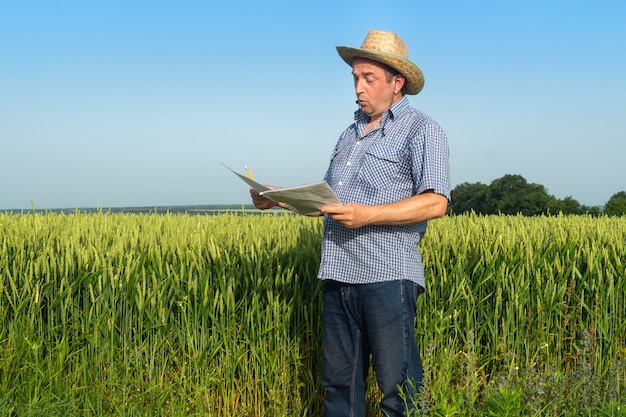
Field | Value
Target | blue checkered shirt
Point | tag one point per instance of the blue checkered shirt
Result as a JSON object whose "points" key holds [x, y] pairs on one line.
{"points": [[406, 154]]}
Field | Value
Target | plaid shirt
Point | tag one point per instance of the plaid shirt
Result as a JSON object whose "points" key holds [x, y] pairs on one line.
{"points": [[406, 154]]}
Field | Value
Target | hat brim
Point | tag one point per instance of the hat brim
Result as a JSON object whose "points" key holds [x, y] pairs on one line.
{"points": [[413, 75]]}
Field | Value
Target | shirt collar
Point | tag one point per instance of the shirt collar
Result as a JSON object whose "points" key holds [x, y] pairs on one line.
{"points": [[398, 107]]}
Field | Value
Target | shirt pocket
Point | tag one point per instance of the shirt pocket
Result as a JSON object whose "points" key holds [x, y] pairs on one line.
{"points": [[381, 166]]}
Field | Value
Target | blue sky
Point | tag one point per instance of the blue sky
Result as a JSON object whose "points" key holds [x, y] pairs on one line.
{"points": [[120, 103]]}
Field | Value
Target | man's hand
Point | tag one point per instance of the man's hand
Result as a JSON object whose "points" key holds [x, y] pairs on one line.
{"points": [[261, 202], [264, 203], [351, 215]]}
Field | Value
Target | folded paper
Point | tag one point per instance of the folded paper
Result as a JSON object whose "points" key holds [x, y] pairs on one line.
{"points": [[304, 199]]}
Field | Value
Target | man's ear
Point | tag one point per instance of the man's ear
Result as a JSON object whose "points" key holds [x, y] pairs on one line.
{"points": [[399, 83]]}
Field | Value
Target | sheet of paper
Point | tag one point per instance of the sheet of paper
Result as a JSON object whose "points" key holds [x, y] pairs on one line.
{"points": [[304, 199], [259, 187]]}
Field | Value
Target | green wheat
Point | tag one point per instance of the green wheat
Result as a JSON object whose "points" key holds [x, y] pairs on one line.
{"points": [[147, 314]]}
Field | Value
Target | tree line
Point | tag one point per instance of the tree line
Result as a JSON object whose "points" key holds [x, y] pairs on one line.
{"points": [[512, 194]]}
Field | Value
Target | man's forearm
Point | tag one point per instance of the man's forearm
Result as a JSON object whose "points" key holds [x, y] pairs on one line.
{"points": [[416, 209]]}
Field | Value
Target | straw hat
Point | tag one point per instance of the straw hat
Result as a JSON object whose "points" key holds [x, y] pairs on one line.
{"points": [[390, 49]]}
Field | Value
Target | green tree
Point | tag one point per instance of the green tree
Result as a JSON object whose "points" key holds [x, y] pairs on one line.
{"points": [[616, 206], [468, 197], [592, 211], [566, 206], [512, 194]]}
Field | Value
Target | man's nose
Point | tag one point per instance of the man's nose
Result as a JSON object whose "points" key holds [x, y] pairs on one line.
{"points": [[358, 87]]}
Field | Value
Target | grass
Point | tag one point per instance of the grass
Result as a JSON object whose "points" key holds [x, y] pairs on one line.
{"points": [[149, 315]]}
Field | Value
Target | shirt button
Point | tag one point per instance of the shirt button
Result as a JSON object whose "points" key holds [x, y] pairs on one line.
{"points": [[340, 183], [349, 163]]}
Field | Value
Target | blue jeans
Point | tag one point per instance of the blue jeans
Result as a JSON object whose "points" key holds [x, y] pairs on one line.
{"points": [[360, 320]]}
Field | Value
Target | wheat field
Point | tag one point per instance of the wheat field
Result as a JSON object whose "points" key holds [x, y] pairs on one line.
{"points": [[112, 314]]}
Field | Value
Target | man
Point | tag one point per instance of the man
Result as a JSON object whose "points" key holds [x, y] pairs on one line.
{"points": [[391, 170]]}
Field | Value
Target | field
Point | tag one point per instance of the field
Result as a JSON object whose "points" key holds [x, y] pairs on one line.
{"points": [[113, 314]]}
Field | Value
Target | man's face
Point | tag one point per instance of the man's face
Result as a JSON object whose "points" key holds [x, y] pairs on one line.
{"points": [[375, 93]]}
